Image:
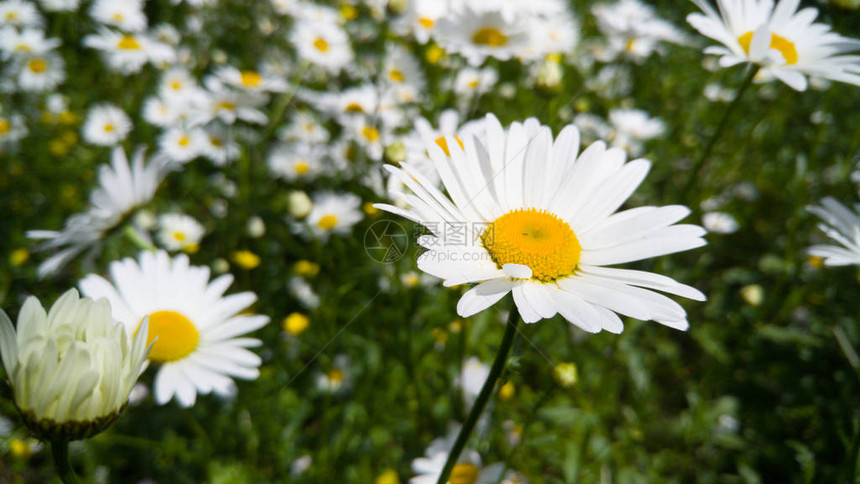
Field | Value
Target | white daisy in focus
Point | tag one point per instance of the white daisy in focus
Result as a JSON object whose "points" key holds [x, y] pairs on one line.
{"points": [[784, 42], [842, 225], [106, 125], [322, 44], [480, 33], [123, 187], [124, 14], [177, 231], [296, 161], [334, 213], [538, 220], [198, 348]]}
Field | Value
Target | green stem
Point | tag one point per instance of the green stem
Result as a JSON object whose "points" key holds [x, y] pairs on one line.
{"points": [[284, 101], [60, 451], [702, 160], [483, 397], [135, 238]]}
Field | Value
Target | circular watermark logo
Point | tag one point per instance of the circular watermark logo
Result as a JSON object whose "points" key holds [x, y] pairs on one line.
{"points": [[386, 241]]}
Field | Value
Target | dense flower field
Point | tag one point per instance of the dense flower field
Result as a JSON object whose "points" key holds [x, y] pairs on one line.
{"points": [[421, 241]]}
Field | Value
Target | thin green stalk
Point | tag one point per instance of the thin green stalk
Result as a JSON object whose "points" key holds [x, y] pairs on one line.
{"points": [[483, 397], [702, 160], [132, 235], [283, 101], [60, 451]]}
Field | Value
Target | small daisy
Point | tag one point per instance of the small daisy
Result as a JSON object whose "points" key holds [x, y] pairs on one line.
{"points": [[842, 225], [41, 73], [60, 5], [467, 471], [304, 126], [177, 84], [228, 104], [27, 42], [632, 127], [633, 30], [322, 44], [196, 325], [301, 290], [337, 378], [334, 213], [127, 53], [473, 374], [402, 74], [296, 161], [249, 80], [474, 82], [182, 145], [218, 145], [178, 231], [12, 129], [784, 42], [421, 18], [123, 187], [480, 33], [539, 222], [719, 223], [124, 14], [106, 125]]}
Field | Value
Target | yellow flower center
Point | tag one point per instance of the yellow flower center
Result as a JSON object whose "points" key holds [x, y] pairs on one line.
{"points": [[783, 45], [534, 238], [473, 83], [371, 133], [354, 108], [630, 44], [109, 128], [23, 48], [176, 85], [489, 36], [128, 42], [5, 126], [184, 141], [12, 16], [225, 105], [327, 222], [444, 144], [335, 376], [37, 65], [396, 76], [177, 336], [348, 12], [216, 141], [321, 44], [179, 236], [251, 78], [296, 323], [463, 474], [302, 167], [426, 22], [117, 17]]}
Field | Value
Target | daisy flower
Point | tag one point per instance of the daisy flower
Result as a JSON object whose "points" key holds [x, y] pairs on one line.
{"points": [[251, 81], [632, 127], [304, 126], [322, 44], [632, 30], [127, 53], [334, 213], [27, 42], [18, 13], [421, 18], [842, 225], [480, 33], [468, 469], [60, 5], [531, 216], [12, 129], [785, 43], [296, 161], [41, 73], [178, 231], [402, 74], [181, 145], [197, 326], [125, 14], [106, 125], [123, 187], [471, 82], [228, 104], [218, 145]]}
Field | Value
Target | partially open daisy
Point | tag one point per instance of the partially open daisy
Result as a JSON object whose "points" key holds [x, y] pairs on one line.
{"points": [[782, 40], [527, 215], [197, 326]]}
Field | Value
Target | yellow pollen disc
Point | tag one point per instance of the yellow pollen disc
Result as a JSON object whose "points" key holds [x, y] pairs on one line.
{"points": [[630, 45], [396, 76], [180, 236], [463, 474], [302, 168], [473, 83], [354, 108], [37, 65], [23, 48], [225, 105], [444, 144], [216, 142], [490, 36], [117, 17], [5, 126], [251, 79], [11, 15], [321, 44], [426, 22], [534, 238], [777, 42], [184, 141], [176, 85], [327, 222], [335, 376], [128, 42], [108, 128], [177, 336], [371, 133]]}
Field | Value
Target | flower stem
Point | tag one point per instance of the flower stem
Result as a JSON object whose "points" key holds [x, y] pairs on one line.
{"points": [[60, 451], [134, 237], [702, 160], [483, 396]]}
